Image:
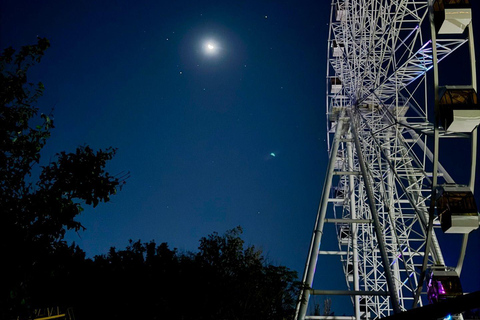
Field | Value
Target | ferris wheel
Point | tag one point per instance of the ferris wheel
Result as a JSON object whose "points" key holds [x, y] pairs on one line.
{"points": [[391, 106]]}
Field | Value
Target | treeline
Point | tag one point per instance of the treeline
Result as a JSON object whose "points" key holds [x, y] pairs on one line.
{"points": [[223, 280]]}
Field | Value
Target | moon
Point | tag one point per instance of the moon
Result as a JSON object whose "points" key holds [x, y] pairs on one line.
{"points": [[211, 47]]}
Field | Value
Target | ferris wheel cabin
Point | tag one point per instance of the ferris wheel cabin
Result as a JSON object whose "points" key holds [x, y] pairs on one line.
{"points": [[456, 209], [337, 49], [336, 85], [344, 234], [341, 13], [443, 283], [459, 110], [451, 16]]}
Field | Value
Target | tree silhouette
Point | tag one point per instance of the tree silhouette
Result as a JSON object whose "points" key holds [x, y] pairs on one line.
{"points": [[242, 285], [37, 212], [223, 280]]}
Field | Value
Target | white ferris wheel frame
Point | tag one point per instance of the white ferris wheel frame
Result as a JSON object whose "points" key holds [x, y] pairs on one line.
{"points": [[383, 144]]}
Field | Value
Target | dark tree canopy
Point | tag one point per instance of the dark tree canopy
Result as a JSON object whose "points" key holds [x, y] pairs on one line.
{"points": [[224, 280], [245, 285], [37, 211]]}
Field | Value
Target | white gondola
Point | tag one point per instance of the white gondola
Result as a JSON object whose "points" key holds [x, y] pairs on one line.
{"points": [[457, 209], [443, 283], [345, 234], [341, 14], [338, 103], [337, 49], [350, 272], [452, 16], [336, 85], [333, 126], [459, 111]]}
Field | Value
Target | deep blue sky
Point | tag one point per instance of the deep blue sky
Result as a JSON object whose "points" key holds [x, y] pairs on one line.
{"points": [[196, 132]]}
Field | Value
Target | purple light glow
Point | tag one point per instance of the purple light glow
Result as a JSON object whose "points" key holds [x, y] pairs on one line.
{"points": [[441, 289], [431, 292]]}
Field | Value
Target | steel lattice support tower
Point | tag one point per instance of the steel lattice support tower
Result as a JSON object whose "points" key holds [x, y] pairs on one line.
{"points": [[384, 128]]}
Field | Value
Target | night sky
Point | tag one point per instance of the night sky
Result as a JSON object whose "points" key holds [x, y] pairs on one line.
{"points": [[211, 141]]}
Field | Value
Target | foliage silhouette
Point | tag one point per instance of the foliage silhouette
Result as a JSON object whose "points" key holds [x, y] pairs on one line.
{"points": [[223, 280], [37, 212]]}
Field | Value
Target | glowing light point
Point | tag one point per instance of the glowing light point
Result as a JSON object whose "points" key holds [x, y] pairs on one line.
{"points": [[211, 47], [272, 154]]}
